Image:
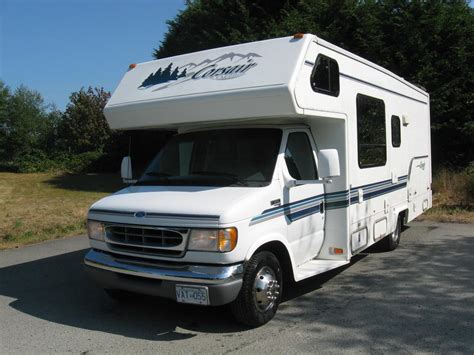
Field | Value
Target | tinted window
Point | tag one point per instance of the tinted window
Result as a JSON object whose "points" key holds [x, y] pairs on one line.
{"points": [[325, 76], [396, 132], [371, 138], [299, 157], [225, 157]]}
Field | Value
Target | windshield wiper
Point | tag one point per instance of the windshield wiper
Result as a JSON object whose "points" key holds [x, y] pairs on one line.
{"points": [[157, 174], [215, 173]]}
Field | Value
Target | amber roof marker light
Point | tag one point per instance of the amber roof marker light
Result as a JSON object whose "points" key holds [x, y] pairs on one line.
{"points": [[132, 66], [298, 35]]}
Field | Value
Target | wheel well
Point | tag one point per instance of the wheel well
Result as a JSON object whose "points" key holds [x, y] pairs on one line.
{"points": [[404, 215], [283, 257]]}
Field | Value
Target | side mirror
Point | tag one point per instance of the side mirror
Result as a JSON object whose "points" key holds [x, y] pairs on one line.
{"points": [[328, 160], [126, 170]]}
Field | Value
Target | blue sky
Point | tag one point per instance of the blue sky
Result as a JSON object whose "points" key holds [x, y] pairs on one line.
{"points": [[59, 46]]}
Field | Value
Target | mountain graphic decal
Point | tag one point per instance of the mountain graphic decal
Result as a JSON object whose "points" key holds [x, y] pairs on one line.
{"points": [[160, 77], [227, 66]]}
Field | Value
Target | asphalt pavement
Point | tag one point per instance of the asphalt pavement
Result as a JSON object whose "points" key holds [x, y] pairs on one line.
{"points": [[418, 298]]}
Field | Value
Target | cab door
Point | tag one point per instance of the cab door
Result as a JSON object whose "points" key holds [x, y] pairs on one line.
{"points": [[304, 204]]}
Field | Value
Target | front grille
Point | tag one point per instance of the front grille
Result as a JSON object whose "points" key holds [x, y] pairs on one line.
{"points": [[154, 241]]}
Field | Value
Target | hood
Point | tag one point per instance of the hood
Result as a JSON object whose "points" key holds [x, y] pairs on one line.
{"points": [[216, 205]]}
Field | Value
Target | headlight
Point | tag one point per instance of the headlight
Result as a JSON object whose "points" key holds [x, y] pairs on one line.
{"points": [[96, 230], [222, 240]]}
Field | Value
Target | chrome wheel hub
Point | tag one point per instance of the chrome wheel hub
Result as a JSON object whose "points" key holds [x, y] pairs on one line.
{"points": [[266, 289]]}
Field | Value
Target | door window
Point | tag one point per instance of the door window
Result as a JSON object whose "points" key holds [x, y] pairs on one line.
{"points": [[299, 157]]}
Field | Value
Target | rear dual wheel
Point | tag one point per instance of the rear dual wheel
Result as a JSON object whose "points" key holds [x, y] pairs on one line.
{"points": [[261, 290], [392, 241]]}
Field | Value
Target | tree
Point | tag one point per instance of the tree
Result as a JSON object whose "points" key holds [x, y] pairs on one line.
{"points": [[215, 23], [83, 127], [4, 100], [25, 123], [429, 43]]}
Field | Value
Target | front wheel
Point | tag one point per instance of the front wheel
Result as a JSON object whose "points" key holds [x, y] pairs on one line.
{"points": [[261, 290]]}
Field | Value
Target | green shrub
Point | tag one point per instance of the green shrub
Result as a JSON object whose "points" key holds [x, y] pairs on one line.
{"points": [[34, 162], [81, 163], [38, 161]]}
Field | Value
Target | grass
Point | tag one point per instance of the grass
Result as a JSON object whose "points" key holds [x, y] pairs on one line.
{"points": [[453, 197], [43, 206]]}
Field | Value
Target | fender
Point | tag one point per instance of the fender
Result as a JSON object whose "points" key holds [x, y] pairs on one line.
{"points": [[273, 237], [400, 208]]}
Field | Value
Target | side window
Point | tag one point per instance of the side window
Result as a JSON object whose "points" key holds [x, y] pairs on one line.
{"points": [[325, 76], [299, 157], [371, 137], [396, 132]]}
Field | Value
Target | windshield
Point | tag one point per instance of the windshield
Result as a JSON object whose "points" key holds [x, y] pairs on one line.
{"points": [[225, 157]]}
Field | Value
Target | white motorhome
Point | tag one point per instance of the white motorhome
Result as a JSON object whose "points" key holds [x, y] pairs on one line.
{"points": [[292, 155]]}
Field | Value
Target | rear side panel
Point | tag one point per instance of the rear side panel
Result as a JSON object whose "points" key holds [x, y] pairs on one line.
{"points": [[370, 199]]}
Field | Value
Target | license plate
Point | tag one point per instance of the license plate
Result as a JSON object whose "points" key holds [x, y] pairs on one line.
{"points": [[192, 294]]}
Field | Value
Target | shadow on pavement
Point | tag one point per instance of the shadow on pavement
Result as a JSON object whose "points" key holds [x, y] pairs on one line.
{"points": [[57, 289], [88, 182]]}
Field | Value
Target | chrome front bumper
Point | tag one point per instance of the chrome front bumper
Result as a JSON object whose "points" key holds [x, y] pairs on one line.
{"points": [[184, 273], [160, 278]]}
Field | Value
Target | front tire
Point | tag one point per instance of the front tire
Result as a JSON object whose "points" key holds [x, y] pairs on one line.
{"points": [[261, 291]]}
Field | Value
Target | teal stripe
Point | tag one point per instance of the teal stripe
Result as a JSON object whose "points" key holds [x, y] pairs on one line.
{"points": [[333, 200]]}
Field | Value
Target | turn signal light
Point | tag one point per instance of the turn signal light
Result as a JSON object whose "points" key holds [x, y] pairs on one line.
{"points": [[227, 239]]}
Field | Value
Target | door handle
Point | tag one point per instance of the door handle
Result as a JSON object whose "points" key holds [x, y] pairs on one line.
{"points": [[321, 207]]}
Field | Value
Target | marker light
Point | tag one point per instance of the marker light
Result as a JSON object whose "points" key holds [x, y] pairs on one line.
{"points": [[298, 35], [337, 251], [227, 239], [132, 66]]}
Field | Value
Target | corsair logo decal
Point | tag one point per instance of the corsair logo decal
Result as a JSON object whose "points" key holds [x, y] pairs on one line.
{"points": [[227, 66]]}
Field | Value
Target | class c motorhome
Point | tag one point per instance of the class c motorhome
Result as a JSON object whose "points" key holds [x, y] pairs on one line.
{"points": [[292, 155]]}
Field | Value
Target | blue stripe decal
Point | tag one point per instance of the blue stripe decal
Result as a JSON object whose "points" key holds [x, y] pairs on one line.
{"points": [[304, 213], [287, 205], [333, 200]]}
